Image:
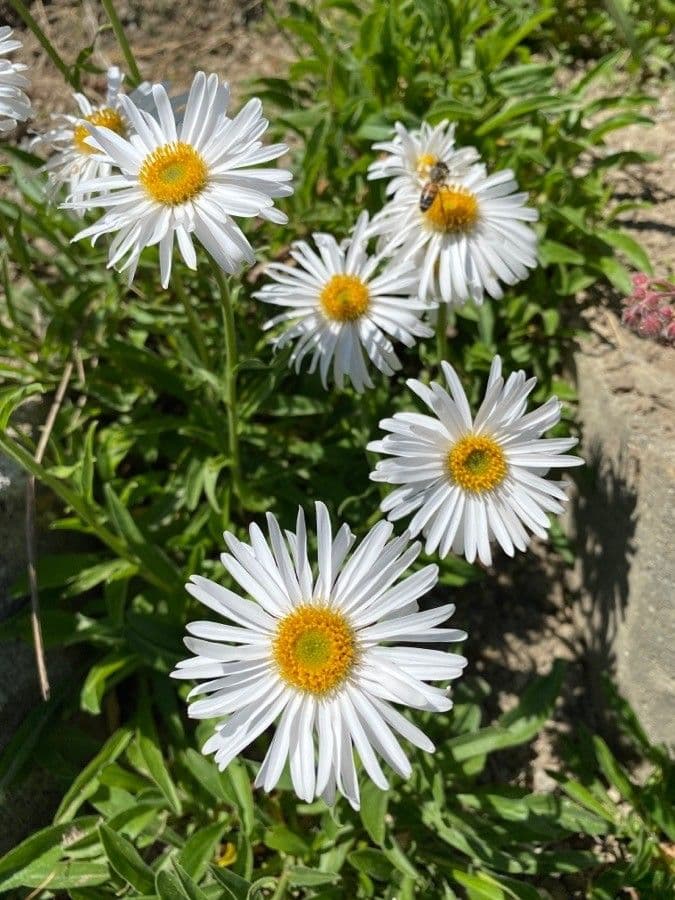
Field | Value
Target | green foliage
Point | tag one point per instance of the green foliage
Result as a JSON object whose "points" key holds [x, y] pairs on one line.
{"points": [[182, 830], [361, 67], [139, 474]]}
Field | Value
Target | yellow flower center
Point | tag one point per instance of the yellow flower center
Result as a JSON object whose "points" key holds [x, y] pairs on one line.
{"points": [[314, 649], [174, 173], [454, 210], [344, 298], [106, 118], [476, 463]]}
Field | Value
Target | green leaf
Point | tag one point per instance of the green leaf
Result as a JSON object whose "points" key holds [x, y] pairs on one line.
{"points": [[479, 886], [102, 676], [76, 874], [373, 810], [206, 774], [582, 795], [237, 886], [87, 781], [35, 858], [239, 780], [280, 837], [372, 863], [631, 249], [538, 103], [200, 849], [517, 726], [169, 887], [88, 460], [613, 772], [12, 397], [150, 555], [191, 890], [126, 861], [301, 876], [26, 738], [554, 252], [153, 759], [398, 858], [616, 273]]}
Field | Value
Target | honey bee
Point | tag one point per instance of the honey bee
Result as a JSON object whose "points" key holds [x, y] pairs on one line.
{"points": [[437, 176]]}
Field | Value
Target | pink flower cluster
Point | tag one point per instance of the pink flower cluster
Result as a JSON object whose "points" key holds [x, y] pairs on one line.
{"points": [[650, 309]]}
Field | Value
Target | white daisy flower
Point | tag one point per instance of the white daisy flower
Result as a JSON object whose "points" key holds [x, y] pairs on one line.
{"points": [[184, 180], [470, 238], [470, 481], [311, 651], [14, 104], [74, 158], [345, 307], [410, 156]]}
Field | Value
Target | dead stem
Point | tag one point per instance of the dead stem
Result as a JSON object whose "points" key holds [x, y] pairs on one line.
{"points": [[31, 551]]}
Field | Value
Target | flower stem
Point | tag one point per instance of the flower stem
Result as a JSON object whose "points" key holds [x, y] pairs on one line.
{"points": [[50, 49], [442, 333], [134, 72], [282, 884], [226, 300]]}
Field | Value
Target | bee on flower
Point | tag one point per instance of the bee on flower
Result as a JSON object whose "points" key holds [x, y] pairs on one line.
{"points": [[320, 651], [409, 157], [14, 104], [180, 179], [345, 308], [467, 481], [467, 230]]}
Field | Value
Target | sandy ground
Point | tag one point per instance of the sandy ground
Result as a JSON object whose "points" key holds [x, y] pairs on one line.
{"points": [[170, 41]]}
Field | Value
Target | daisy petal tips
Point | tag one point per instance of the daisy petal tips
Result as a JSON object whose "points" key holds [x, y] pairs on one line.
{"points": [[184, 179], [14, 104], [320, 651], [345, 308], [468, 481]]}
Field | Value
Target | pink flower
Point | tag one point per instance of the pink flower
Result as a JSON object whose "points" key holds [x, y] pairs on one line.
{"points": [[650, 310], [653, 300], [650, 326]]}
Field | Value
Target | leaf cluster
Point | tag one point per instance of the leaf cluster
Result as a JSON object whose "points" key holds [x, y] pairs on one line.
{"points": [[139, 822]]}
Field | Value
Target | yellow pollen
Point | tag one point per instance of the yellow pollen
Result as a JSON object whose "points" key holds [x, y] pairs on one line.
{"points": [[314, 649], [454, 210], [476, 463], [106, 118], [344, 298], [173, 173], [425, 162]]}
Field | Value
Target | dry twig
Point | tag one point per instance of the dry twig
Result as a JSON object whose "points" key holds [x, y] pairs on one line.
{"points": [[31, 551]]}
